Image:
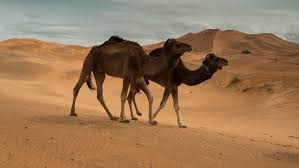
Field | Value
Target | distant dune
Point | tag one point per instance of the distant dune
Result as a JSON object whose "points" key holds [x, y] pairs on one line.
{"points": [[245, 116], [216, 40]]}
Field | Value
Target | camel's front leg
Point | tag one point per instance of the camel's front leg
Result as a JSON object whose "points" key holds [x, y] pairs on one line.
{"points": [[163, 102], [150, 102], [175, 98]]}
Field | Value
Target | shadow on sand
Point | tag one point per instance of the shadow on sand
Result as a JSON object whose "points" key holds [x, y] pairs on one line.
{"points": [[85, 121], [100, 122]]}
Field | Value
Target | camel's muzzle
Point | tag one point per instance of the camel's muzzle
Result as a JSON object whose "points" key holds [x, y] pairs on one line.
{"points": [[223, 62], [189, 48]]}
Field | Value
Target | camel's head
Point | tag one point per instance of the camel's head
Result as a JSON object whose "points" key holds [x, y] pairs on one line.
{"points": [[214, 63], [177, 48]]}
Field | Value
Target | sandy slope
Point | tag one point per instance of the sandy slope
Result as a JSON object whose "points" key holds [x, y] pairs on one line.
{"points": [[252, 123]]}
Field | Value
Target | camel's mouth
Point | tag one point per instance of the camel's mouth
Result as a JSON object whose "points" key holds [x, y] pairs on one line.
{"points": [[181, 48], [222, 64], [189, 49]]}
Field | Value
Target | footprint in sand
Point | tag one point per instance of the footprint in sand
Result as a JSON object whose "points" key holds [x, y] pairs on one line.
{"points": [[295, 137]]}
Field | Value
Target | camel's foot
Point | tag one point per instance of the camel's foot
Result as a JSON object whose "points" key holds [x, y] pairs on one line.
{"points": [[73, 115], [139, 113], [134, 118], [114, 118], [182, 126], [124, 121], [153, 122]]}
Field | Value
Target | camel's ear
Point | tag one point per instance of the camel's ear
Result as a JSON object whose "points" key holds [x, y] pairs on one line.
{"points": [[210, 56], [169, 42]]}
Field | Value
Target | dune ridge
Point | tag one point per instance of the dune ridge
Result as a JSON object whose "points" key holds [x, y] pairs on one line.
{"points": [[230, 41]]}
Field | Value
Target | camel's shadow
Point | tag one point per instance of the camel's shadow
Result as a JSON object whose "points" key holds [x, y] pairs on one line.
{"points": [[84, 121], [99, 122]]}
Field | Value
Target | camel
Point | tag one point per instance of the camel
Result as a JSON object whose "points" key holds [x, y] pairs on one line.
{"points": [[125, 59], [174, 78]]}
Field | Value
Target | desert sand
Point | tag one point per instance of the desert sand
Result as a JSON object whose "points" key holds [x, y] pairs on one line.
{"points": [[246, 116]]}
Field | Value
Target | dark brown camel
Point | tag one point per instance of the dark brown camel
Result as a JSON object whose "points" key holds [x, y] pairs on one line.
{"points": [[174, 78], [125, 59]]}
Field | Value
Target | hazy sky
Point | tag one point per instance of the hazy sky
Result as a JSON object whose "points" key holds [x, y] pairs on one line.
{"points": [[93, 21]]}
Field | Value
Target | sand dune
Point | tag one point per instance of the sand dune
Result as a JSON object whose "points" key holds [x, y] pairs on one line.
{"points": [[232, 41], [252, 122]]}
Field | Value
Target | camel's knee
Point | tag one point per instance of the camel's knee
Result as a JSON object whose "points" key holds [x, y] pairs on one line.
{"points": [[177, 108], [130, 98], [150, 99], [99, 97], [75, 90], [78, 86], [162, 104], [123, 97]]}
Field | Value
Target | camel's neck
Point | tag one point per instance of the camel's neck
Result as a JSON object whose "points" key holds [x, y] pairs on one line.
{"points": [[195, 77], [172, 60]]}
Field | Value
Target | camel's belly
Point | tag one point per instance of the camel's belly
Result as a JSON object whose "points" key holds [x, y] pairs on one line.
{"points": [[116, 63], [111, 70], [158, 79], [110, 65], [114, 74]]}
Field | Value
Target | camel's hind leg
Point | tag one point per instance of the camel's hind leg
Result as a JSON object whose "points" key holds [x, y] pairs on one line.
{"points": [[100, 77], [123, 97], [76, 89], [130, 98], [84, 76]]}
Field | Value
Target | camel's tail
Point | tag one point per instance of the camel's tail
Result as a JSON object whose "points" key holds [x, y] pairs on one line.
{"points": [[89, 84], [88, 66]]}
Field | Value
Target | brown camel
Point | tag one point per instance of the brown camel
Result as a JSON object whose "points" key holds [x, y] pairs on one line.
{"points": [[174, 78], [125, 59]]}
